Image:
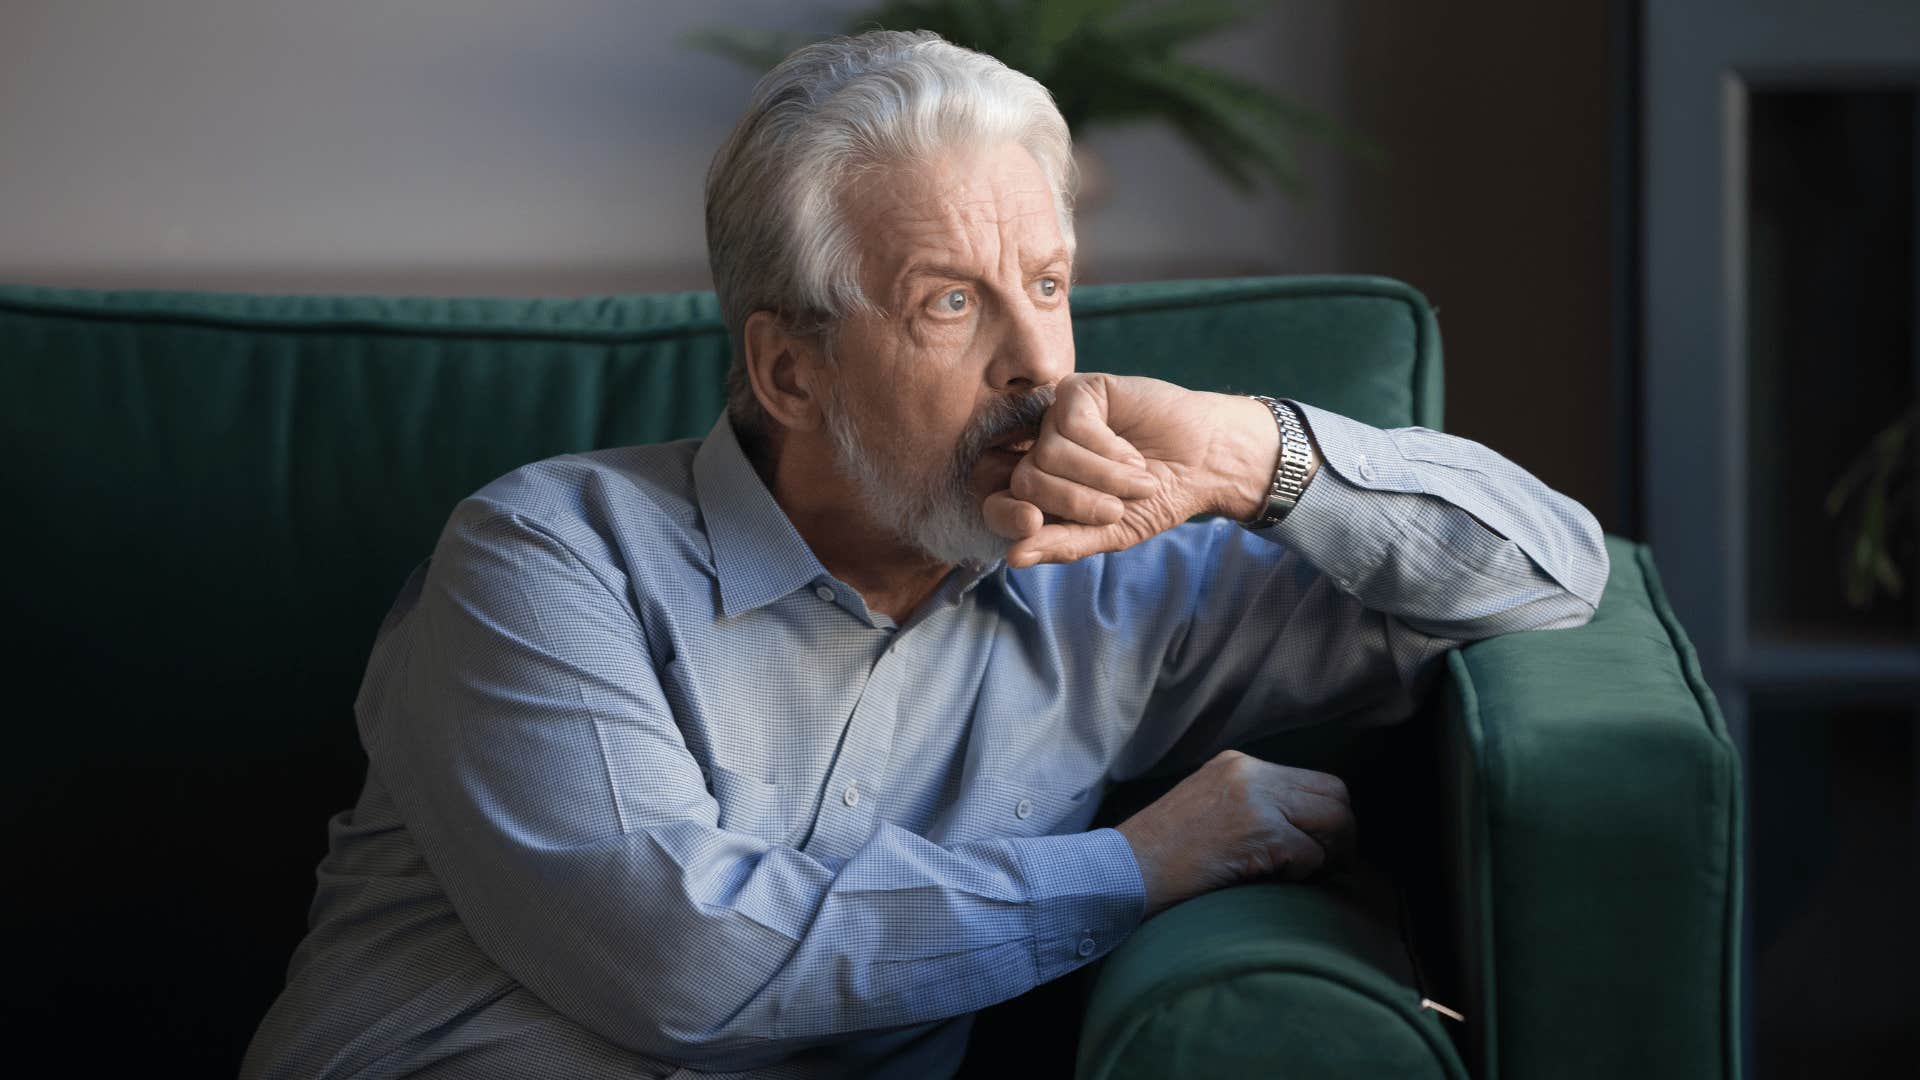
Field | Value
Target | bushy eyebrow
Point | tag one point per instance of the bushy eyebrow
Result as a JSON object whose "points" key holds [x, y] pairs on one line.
{"points": [[1058, 256]]}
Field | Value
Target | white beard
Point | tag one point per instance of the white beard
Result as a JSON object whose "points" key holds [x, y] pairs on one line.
{"points": [[936, 514]]}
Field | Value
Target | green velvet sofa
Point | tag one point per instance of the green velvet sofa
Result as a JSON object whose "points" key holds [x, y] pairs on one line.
{"points": [[213, 499]]}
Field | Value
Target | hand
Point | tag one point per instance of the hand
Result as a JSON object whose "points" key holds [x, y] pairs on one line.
{"points": [[1119, 459], [1238, 819]]}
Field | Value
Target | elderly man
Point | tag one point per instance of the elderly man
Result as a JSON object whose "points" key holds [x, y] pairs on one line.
{"points": [[774, 752]]}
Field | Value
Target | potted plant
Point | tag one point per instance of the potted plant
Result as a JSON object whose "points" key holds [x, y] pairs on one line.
{"points": [[1879, 486], [1107, 62]]}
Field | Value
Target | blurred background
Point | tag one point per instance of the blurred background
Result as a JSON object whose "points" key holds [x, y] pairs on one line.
{"points": [[1673, 248], [507, 147]]}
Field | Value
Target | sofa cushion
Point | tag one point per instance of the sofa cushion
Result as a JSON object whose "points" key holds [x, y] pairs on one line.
{"points": [[1309, 980], [215, 497]]}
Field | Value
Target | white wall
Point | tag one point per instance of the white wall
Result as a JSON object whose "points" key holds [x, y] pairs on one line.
{"points": [[505, 146]]}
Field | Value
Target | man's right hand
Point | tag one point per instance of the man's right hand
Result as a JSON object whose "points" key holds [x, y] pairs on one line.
{"points": [[1238, 819]]}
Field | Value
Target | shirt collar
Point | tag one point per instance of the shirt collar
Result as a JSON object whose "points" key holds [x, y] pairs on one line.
{"points": [[758, 555], [998, 574]]}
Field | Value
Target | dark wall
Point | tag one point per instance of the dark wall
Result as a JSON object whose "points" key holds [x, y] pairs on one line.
{"points": [[1495, 205]]}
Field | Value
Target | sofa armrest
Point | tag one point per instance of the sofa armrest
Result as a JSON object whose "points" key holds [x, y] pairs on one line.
{"points": [[1267, 979], [1592, 844]]}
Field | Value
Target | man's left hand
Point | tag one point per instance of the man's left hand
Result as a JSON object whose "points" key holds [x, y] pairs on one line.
{"points": [[1121, 458]]}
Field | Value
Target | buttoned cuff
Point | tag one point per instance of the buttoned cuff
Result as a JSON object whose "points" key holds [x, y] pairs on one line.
{"points": [[1336, 526], [1085, 895], [1361, 454]]}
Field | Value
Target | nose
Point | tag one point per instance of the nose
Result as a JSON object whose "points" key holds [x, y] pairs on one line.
{"points": [[1035, 349]]}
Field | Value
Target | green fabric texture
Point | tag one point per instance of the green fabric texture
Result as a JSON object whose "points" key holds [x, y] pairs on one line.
{"points": [[1591, 886], [1266, 980], [1594, 846], [215, 498]]}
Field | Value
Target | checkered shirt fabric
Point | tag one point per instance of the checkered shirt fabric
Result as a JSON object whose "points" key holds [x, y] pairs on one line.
{"points": [[652, 793]]}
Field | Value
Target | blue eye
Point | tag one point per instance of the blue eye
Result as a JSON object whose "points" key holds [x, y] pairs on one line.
{"points": [[1049, 286], [955, 301]]}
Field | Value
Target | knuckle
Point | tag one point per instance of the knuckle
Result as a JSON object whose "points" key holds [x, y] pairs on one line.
{"points": [[1283, 858], [1230, 764], [1046, 451], [1255, 864], [1298, 852], [1013, 520]]}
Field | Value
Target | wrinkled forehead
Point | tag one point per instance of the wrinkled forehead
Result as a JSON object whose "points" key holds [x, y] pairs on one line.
{"points": [[977, 210]]}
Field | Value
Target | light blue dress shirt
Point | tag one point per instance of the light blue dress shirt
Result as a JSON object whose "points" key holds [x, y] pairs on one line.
{"points": [[651, 793]]}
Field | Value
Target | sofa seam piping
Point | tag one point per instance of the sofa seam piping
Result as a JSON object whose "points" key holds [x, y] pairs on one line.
{"points": [[1480, 746], [1272, 288], [1716, 725]]}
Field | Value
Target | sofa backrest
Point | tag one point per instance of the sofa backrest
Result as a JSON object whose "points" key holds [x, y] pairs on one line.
{"points": [[214, 498]]}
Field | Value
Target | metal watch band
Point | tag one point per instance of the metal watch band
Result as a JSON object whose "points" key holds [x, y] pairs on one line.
{"points": [[1290, 474]]}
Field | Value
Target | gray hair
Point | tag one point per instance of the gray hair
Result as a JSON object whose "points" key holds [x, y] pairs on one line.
{"points": [[777, 239]]}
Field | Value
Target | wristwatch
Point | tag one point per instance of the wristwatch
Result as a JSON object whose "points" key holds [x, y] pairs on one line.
{"points": [[1290, 475]]}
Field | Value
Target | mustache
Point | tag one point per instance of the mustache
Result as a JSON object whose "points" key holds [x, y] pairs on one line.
{"points": [[1003, 418]]}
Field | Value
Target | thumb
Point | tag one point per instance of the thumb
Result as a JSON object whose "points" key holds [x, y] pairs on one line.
{"points": [[1064, 542]]}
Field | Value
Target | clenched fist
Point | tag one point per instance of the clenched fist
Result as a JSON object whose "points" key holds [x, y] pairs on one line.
{"points": [[1239, 819], [1119, 459]]}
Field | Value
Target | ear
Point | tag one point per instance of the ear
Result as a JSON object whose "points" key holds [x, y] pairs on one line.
{"points": [[785, 369]]}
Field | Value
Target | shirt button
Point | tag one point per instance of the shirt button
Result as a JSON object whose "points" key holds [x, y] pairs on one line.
{"points": [[1022, 808], [852, 795], [1087, 946], [823, 592], [1363, 467]]}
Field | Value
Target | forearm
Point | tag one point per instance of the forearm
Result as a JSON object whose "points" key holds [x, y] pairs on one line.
{"points": [[534, 755], [710, 949], [903, 932], [1437, 530], [1342, 609]]}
